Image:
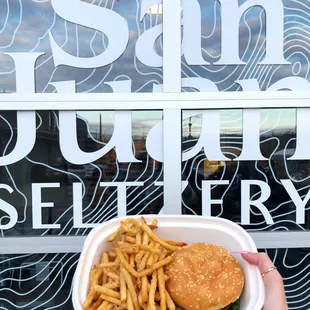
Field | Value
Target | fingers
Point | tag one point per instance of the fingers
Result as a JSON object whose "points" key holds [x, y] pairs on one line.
{"points": [[273, 281], [261, 260]]}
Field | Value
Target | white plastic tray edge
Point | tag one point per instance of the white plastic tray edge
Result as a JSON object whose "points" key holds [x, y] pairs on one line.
{"points": [[94, 239]]}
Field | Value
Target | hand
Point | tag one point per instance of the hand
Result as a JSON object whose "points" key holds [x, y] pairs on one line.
{"points": [[274, 289]]}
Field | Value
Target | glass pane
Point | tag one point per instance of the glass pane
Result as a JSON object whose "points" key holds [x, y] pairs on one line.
{"points": [[294, 268], [43, 281], [245, 45], [103, 46], [37, 281], [243, 173], [83, 187]]}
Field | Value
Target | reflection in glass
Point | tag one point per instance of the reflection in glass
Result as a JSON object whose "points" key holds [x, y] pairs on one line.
{"points": [[43, 281], [37, 281], [294, 268], [46, 165], [242, 69], [21, 33], [277, 144]]}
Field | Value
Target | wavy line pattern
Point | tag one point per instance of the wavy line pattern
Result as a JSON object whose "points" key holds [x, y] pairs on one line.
{"points": [[294, 268], [278, 135], [43, 281], [40, 281]]}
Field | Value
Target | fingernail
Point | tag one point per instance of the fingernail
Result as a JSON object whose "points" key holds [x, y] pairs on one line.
{"points": [[240, 252]]}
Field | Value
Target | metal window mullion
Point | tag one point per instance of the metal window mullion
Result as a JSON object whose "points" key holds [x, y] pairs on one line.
{"points": [[172, 46], [172, 133], [74, 244], [155, 101], [172, 127]]}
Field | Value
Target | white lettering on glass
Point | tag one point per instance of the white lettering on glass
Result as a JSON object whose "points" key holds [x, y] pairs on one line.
{"points": [[251, 137], [294, 83], [247, 202], [201, 84], [191, 43], [145, 46], [302, 151], [121, 194], [37, 205], [78, 208], [299, 203], [121, 201], [26, 120], [9, 209], [64, 87], [231, 15], [245, 194], [154, 139], [209, 136], [113, 25], [121, 140], [207, 201], [161, 183]]}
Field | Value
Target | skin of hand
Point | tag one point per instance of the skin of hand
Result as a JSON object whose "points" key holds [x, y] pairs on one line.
{"points": [[274, 289]]}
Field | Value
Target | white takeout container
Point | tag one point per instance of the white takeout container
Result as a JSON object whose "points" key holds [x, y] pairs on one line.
{"points": [[190, 229]]}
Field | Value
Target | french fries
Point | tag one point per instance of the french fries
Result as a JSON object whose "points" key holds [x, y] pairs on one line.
{"points": [[131, 275]]}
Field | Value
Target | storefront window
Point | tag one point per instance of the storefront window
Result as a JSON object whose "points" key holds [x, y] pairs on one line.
{"points": [[294, 267], [37, 281], [104, 46], [245, 45], [232, 177], [81, 195], [43, 281], [249, 165]]}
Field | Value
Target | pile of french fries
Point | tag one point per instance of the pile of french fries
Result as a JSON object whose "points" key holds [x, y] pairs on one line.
{"points": [[131, 275]]}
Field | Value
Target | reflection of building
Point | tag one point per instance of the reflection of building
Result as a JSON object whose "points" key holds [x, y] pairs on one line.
{"points": [[278, 145], [44, 164]]}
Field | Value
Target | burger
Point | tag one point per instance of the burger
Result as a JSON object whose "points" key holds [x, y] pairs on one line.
{"points": [[205, 277]]}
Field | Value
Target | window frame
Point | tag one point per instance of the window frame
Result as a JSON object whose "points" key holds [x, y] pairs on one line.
{"points": [[172, 105]]}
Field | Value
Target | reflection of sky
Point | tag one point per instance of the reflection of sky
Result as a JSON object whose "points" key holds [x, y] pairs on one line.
{"points": [[142, 122], [231, 121], [21, 32], [252, 47]]}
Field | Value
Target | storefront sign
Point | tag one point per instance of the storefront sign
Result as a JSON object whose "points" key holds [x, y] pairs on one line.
{"points": [[64, 172], [115, 28], [207, 202]]}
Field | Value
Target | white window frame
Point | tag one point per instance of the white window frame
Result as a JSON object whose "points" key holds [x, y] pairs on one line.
{"points": [[172, 105]]}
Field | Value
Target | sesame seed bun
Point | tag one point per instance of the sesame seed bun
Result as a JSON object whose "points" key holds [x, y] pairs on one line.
{"points": [[204, 276]]}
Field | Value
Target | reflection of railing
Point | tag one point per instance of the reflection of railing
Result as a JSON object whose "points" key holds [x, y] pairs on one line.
{"points": [[43, 134], [41, 275], [7, 276]]}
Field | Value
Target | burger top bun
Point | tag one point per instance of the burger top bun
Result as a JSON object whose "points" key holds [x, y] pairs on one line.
{"points": [[204, 276]]}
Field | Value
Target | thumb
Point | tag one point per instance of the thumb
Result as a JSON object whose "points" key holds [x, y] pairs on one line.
{"points": [[261, 260], [252, 258]]}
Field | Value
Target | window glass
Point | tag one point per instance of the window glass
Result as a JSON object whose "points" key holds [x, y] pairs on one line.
{"points": [[78, 188], [43, 281], [99, 46], [294, 268], [239, 165], [37, 281], [245, 45]]}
